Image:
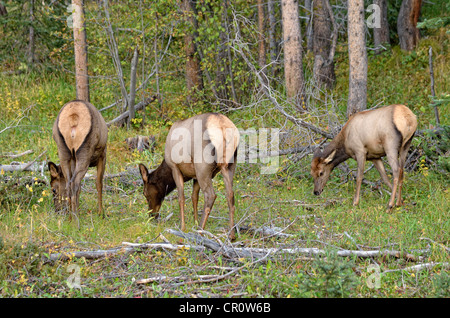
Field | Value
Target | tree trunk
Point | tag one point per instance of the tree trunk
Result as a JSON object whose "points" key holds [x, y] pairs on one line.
{"points": [[322, 37], [261, 37], [81, 63], [31, 39], [309, 25], [293, 66], [131, 101], [408, 34], [357, 95], [194, 79], [272, 41], [3, 10], [381, 33]]}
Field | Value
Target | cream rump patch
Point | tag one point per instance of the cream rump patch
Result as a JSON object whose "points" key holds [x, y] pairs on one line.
{"points": [[74, 124], [222, 132]]}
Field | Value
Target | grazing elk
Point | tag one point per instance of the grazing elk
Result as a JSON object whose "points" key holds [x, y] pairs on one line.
{"points": [[196, 148], [80, 132], [369, 135]]}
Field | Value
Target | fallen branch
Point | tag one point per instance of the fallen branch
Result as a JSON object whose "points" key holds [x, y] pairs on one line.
{"points": [[28, 166], [418, 267], [126, 249], [234, 252], [16, 155], [137, 107]]}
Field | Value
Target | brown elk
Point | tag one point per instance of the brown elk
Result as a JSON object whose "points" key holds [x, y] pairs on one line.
{"points": [[196, 148], [80, 133], [369, 135]]}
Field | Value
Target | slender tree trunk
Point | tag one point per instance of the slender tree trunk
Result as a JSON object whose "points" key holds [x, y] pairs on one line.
{"points": [[31, 39], [272, 31], [357, 95], [194, 78], [381, 34], [293, 66], [3, 10], [309, 25], [221, 65], [81, 61], [408, 34], [261, 37], [132, 98], [323, 44]]}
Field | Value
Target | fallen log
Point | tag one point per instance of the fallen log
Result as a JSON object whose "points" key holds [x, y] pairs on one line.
{"points": [[138, 106], [248, 252], [125, 249]]}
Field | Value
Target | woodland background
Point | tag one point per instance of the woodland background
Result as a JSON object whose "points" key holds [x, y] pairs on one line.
{"points": [[300, 66]]}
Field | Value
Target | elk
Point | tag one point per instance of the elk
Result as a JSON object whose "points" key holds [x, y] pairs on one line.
{"points": [[80, 133], [196, 148], [369, 135]]}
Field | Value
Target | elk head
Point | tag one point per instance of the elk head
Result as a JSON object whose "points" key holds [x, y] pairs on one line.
{"points": [[58, 185], [152, 192], [321, 168]]}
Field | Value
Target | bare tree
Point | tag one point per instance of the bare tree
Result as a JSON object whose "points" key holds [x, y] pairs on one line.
{"points": [[31, 41], [261, 37], [357, 95], [81, 60], [3, 10], [272, 31], [309, 25], [293, 65], [408, 34], [381, 33], [194, 79], [324, 43]]}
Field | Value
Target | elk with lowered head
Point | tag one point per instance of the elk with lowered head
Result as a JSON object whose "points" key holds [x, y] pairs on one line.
{"points": [[80, 133], [369, 135], [196, 148]]}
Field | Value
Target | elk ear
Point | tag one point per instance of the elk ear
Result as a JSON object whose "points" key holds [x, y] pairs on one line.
{"points": [[330, 157], [53, 168], [144, 172]]}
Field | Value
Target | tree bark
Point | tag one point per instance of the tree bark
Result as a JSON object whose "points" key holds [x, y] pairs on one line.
{"points": [[194, 78], [31, 38], [381, 34], [3, 10], [272, 41], [81, 60], [293, 66], [408, 34], [261, 37], [322, 37], [357, 95], [309, 25], [132, 97]]}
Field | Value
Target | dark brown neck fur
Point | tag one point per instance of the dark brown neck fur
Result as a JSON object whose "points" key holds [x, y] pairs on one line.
{"points": [[336, 144], [162, 177]]}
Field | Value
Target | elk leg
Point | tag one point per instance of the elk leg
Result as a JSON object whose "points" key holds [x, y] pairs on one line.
{"points": [[402, 161], [195, 192], [359, 177], [228, 180], [99, 182], [393, 162], [179, 181], [380, 167], [81, 167], [210, 197]]}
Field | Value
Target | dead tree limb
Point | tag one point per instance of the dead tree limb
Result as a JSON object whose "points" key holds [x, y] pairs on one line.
{"points": [[255, 253], [125, 249], [137, 107], [239, 48]]}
